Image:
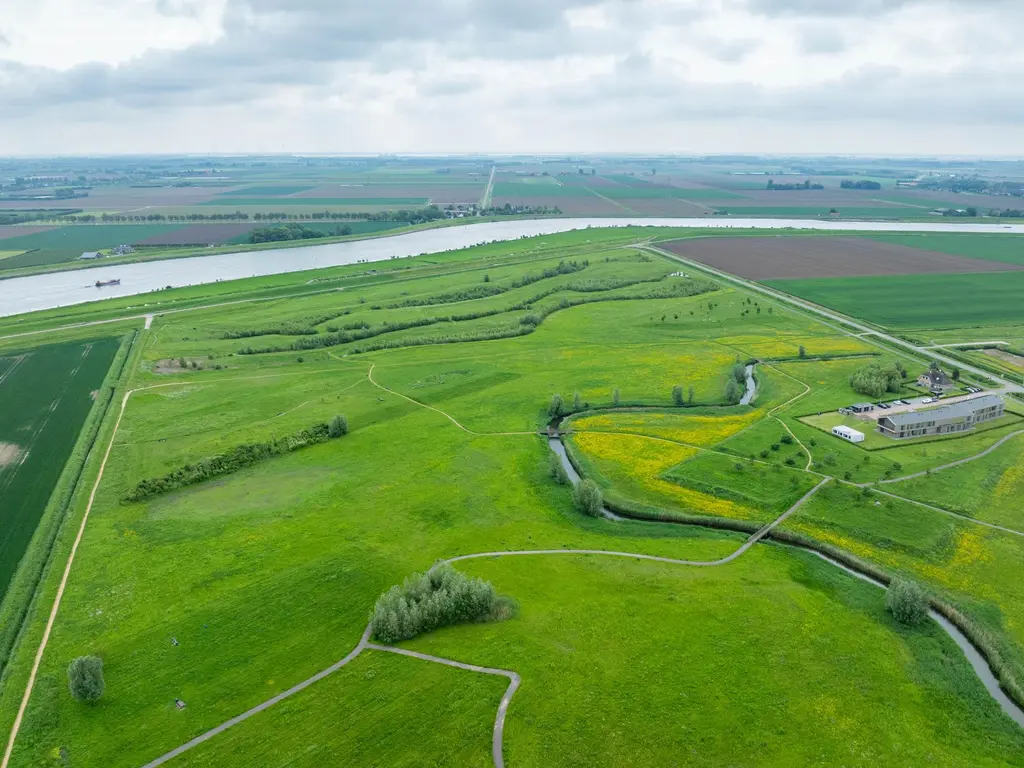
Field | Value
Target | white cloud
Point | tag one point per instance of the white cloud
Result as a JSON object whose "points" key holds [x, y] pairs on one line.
{"points": [[531, 75]]}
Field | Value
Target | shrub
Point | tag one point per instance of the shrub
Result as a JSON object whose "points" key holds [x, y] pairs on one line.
{"points": [[615, 396], [556, 471], [907, 602], [531, 319], [338, 426], [438, 598], [577, 401], [588, 498], [85, 678], [677, 395], [786, 439]]}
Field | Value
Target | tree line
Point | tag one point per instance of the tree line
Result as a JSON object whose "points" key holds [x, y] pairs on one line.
{"points": [[237, 458], [294, 231]]}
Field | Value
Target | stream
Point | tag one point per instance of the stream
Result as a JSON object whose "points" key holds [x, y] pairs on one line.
{"points": [[974, 657]]}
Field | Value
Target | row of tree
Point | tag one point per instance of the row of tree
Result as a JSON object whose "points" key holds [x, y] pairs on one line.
{"points": [[859, 184], [875, 380], [293, 231], [237, 458]]}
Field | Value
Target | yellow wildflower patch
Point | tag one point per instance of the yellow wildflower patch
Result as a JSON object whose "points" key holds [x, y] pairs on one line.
{"points": [[789, 346], [703, 431], [1011, 484], [634, 466]]}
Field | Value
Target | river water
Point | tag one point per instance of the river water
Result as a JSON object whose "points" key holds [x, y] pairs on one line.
{"points": [[60, 289]]}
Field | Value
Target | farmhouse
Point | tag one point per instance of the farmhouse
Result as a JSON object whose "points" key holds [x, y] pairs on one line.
{"points": [[936, 380], [848, 434], [91, 255], [958, 417]]}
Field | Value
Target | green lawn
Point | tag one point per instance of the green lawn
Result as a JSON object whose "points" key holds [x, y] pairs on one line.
{"points": [[265, 190], [917, 301]]}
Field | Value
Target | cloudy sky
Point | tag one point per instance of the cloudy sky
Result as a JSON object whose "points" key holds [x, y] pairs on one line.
{"points": [[811, 76]]}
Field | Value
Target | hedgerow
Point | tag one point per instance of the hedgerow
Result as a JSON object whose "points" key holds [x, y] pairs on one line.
{"points": [[237, 458], [438, 598]]}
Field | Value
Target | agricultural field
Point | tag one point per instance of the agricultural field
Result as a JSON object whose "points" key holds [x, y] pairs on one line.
{"points": [[45, 395], [923, 301], [209, 585], [810, 257]]}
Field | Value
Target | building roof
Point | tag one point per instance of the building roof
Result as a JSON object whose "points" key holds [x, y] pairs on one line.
{"points": [[955, 410], [847, 431], [936, 378], [863, 405]]}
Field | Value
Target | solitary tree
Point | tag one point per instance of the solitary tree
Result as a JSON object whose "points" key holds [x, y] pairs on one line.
{"points": [[615, 396], [557, 406], [732, 392], [577, 401], [690, 393], [677, 395], [85, 678], [907, 602], [338, 426], [956, 374], [588, 498], [802, 352]]}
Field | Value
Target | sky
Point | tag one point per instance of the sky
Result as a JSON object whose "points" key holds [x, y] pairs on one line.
{"points": [[881, 77]]}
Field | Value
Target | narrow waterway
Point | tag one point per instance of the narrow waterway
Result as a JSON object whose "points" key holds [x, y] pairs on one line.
{"points": [[60, 289]]}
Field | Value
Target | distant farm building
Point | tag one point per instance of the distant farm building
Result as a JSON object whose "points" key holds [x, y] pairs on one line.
{"points": [[958, 417], [121, 250], [936, 380], [91, 255], [848, 434]]}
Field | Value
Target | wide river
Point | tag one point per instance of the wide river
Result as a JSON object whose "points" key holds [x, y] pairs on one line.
{"points": [[60, 289]]}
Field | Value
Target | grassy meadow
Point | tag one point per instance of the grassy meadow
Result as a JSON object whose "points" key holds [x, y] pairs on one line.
{"points": [[228, 592]]}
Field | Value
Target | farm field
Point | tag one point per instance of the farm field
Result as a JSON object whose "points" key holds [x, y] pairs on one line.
{"points": [[45, 395], [224, 592], [1004, 248], [918, 301], [807, 257]]}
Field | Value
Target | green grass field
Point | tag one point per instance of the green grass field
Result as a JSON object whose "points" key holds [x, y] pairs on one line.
{"points": [[917, 301], [266, 190], [228, 592], [65, 244], [45, 395], [1004, 248]]}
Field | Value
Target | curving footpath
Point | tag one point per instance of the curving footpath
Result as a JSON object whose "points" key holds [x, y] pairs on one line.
{"points": [[952, 464]]}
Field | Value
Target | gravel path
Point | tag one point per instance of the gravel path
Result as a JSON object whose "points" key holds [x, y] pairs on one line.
{"points": [[952, 464], [497, 739]]}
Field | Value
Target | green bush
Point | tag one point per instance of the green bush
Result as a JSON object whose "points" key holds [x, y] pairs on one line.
{"points": [[677, 395], [85, 678], [588, 498], [338, 426], [557, 406], [907, 602], [237, 458], [438, 598]]}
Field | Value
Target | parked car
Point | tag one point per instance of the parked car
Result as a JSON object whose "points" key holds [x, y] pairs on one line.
{"points": [[886, 406], [928, 400]]}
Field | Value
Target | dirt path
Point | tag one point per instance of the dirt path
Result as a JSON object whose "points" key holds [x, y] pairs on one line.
{"points": [[950, 513], [16, 727], [452, 419]]}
